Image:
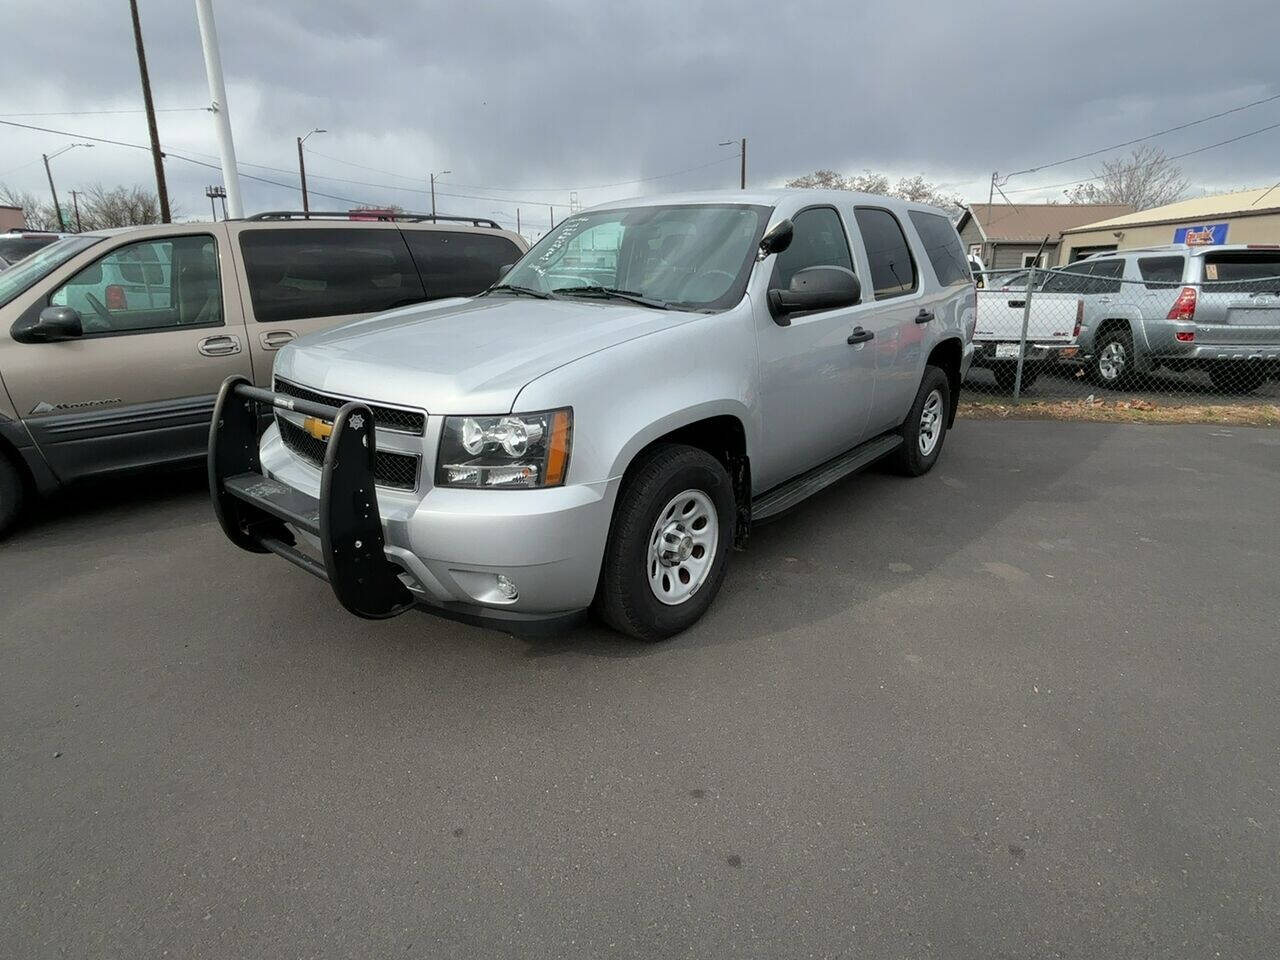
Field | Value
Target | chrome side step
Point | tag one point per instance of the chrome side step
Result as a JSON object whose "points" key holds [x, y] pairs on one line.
{"points": [[795, 491]]}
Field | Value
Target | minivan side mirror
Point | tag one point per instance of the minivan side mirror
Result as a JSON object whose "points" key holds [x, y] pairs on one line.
{"points": [[51, 325], [813, 289], [777, 239]]}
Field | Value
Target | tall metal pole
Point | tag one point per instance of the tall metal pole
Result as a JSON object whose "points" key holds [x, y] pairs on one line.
{"points": [[433, 196], [552, 210], [162, 191], [57, 210], [744, 164], [221, 114], [302, 175], [213, 208], [517, 219], [75, 203]]}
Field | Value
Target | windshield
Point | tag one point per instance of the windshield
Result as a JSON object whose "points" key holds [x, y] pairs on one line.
{"points": [[694, 256], [40, 264]]}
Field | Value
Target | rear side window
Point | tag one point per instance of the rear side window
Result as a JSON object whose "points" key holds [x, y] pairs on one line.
{"points": [[454, 263], [296, 274], [1243, 271], [1105, 276], [1073, 278], [893, 271], [942, 247], [1160, 273]]}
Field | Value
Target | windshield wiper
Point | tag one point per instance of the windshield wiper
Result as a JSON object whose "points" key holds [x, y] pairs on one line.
{"points": [[525, 291], [629, 295]]}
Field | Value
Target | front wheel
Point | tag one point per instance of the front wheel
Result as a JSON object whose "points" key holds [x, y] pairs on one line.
{"points": [[669, 543], [925, 428]]}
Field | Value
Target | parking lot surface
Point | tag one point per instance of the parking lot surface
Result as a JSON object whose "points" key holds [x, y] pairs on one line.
{"points": [[1022, 707]]}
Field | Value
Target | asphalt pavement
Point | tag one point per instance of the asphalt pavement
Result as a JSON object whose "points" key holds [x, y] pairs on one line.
{"points": [[1025, 706]]}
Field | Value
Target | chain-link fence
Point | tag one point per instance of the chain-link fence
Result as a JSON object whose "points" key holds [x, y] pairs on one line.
{"points": [[1167, 326]]}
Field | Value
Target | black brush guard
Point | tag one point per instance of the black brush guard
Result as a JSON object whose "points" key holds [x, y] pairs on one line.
{"points": [[254, 509]]}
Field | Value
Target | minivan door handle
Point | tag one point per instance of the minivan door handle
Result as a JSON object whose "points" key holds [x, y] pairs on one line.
{"points": [[275, 339], [860, 335], [924, 316], [220, 346]]}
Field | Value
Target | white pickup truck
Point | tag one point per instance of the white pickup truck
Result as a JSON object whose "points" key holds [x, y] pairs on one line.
{"points": [[1052, 327]]}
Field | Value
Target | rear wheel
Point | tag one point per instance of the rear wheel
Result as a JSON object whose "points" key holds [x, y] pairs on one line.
{"points": [[669, 543], [1237, 377], [11, 494], [925, 428], [1113, 358]]}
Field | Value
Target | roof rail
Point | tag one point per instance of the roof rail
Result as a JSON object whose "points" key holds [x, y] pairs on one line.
{"points": [[368, 215]]}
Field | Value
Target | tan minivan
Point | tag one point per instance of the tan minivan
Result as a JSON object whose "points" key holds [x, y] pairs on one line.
{"points": [[113, 344]]}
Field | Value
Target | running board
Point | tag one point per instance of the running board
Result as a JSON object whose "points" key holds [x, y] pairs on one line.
{"points": [[806, 485]]}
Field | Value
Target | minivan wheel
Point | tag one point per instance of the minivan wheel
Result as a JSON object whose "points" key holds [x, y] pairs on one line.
{"points": [[925, 428], [10, 494], [669, 543], [1113, 358]]}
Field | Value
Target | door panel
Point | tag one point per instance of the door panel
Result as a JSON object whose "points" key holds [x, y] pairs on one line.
{"points": [[137, 388]]}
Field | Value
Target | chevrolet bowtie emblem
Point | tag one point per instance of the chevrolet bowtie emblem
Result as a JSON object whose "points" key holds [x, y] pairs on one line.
{"points": [[320, 429]]}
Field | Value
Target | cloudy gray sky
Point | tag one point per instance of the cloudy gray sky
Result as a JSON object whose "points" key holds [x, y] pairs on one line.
{"points": [[525, 101]]}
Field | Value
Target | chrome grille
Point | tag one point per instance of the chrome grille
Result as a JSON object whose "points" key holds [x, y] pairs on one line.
{"points": [[398, 470], [388, 418]]}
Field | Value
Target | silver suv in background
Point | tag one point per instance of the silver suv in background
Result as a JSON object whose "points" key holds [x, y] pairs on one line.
{"points": [[113, 344], [601, 427], [1211, 308]]}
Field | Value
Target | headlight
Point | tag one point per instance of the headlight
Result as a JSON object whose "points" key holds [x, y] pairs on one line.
{"points": [[514, 450]]}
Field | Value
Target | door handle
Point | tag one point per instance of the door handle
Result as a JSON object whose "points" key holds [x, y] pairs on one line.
{"points": [[860, 335], [219, 346], [275, 339], [924, 316]]}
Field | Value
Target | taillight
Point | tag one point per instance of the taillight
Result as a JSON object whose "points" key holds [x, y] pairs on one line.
{"points": [[1185, 336], [115, 297], [1079, 318], [1184, 308]]}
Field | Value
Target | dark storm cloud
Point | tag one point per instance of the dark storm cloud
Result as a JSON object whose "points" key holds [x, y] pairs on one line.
{"points": [[568, 94]]}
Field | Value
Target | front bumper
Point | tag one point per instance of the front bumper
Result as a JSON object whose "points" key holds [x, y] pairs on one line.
{"points": [[442, 550]]}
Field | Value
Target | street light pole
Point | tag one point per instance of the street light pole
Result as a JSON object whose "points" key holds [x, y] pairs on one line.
{"points": [[742, 153], [433, 191], [218, 106], [302, 169], [57, 209]]}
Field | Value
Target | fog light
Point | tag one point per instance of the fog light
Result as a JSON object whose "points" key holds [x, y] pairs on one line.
{"points": [[507, 587]]}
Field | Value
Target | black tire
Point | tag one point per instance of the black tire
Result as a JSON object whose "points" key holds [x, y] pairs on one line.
{"points": [[1006, 374], [11, 494], [625, 600], [1102, 366], [910, 459], [1237, 377]]}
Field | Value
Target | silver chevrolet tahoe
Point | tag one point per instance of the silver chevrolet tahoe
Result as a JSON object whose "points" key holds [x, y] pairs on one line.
{"points": [[602, 426]]}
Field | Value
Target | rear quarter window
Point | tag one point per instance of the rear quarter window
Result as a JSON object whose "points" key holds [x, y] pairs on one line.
{"points": [[1160, 273], [458, 263], [942, 247]]}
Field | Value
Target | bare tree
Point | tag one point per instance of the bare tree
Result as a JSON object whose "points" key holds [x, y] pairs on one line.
{"points": [[1144, 179], [102, 208], [915, 188], [38, 213]]}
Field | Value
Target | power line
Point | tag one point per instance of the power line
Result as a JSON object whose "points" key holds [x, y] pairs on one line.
{"points": [[1150, 136], [1176, 156], [99, 113]]}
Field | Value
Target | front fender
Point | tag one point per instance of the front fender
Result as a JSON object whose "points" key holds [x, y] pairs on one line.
{"points": [[626, 396]]}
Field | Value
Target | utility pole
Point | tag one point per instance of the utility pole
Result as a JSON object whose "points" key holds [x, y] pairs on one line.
{"points": [[218, 106], [433, 191], [552, 210], [75, 203], [57, 210], [302, 175], [156, 156], [743, 184], [517, 219]]}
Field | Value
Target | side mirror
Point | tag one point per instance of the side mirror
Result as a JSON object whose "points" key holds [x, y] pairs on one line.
{"points": [[813, 289], [53, 324], [504, 270], [777, 239]]}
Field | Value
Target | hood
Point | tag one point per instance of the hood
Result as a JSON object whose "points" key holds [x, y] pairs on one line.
{"points": [[469, 356]]}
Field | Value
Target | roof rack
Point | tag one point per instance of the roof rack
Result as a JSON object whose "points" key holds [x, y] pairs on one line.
{"points": [[370, 215]]}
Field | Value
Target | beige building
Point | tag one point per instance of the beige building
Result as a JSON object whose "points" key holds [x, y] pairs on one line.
{"points": [[1250, 216], [11, 218]]}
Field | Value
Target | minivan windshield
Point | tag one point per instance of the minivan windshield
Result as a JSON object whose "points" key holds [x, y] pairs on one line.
{"points": [[40, 264], [687, 256]]}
